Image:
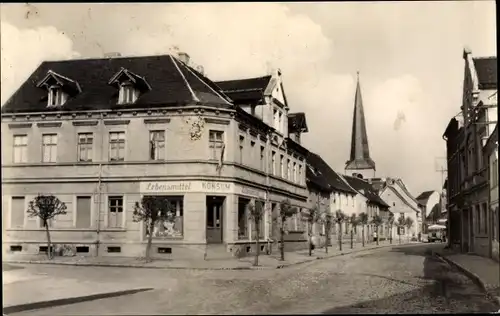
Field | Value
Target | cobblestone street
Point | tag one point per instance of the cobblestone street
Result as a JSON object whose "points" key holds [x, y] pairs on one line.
{"points": [[404, 279]]}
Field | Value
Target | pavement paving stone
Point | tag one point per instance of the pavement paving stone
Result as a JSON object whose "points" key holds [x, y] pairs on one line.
{"points": [[265, 261]]}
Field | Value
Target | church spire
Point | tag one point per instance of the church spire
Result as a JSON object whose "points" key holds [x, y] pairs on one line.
{"points": [[360, 161]]}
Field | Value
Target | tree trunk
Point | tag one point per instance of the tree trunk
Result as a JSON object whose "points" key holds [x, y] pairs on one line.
{"points": [[257, 251], [390, 235], [399, 236], [327, 239], [310, 238], [352, 240], [376, 229], [49, 244], [150, 241], [282, 243], [340, 236], [363, 235]]}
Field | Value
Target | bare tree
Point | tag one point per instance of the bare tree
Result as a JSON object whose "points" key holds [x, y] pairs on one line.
{"points": [[286, 211], [354, 221], [152, 210], [390, 221], [377, 221], [401, 224], [328, 221], [363, 220], [340, 218], [256, 213], [408, 225], [311, 217], [46, 207]]}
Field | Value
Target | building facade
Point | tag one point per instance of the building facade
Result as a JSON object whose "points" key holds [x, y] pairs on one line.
{"points": [[102, 133], [491, 153], [479, 112], [429, 203]]}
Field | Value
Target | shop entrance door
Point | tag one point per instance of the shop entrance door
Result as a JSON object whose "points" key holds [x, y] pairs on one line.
{"points": [[214, 212]]}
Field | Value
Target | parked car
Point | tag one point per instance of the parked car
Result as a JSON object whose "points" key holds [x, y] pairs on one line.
{"points": [[434, 236]]}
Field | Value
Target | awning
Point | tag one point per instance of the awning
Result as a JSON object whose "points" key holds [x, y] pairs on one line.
{"points": [[442, 220]]}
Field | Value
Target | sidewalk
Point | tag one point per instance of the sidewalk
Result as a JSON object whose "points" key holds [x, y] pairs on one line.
{"points": [[484, 271], [265, 261]]}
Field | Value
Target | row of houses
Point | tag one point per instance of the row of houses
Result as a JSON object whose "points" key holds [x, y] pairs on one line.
{"points": [[102, 133], [472, 162]]}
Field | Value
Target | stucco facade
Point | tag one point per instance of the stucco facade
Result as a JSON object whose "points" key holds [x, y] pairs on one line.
{"points": [[210, 160]]}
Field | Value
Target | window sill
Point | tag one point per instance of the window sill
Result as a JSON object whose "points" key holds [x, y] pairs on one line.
{"points": [[113, 229]]}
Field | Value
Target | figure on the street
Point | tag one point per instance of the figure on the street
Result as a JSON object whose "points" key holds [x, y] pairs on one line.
{"points": [[375, 236]]}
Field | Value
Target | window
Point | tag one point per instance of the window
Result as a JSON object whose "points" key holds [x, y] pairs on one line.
{"points": [[170, 228], [300, 175], [115, 211], [294, 177], [117, 146], [56, 96], [85, 141], [242, 142], [216, 144], [273, 163], [289, 169], [262, 160], [243, 218], [17, 212], [127, 94], [484, 210], [275, 119], [20, 148], [157, 145], [280, 121], [83, 212], [252, 152], [282, 166], [49, 147]]}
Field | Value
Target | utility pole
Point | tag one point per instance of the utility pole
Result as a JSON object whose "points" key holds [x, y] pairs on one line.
{"points": [[441, 169]]}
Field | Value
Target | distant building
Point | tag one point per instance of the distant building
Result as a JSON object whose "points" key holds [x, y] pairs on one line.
{"points": [[430, 206], [101, 133], [491, 153], [468, 189]]}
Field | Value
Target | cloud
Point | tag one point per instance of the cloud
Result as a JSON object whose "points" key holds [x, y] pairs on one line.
{"points": [[409, 56], [24, 50]]}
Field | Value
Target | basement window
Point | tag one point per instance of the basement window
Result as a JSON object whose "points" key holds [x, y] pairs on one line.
{"points": [[164, 250], [43, 249], [16, 248], [114, 249], [82, 249]]}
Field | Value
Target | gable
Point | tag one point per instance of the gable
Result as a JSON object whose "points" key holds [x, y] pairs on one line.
{"points": [[397, 202]]}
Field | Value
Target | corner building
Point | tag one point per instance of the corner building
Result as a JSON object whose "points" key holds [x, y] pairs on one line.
{"points": [[101, 133]]}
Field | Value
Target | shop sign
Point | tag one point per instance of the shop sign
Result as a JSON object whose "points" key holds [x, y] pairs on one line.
{"points": [[244, 190], [186, 186]]}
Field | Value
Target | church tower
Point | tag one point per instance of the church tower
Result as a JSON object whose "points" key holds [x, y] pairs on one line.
{"points": [[359, 162]]}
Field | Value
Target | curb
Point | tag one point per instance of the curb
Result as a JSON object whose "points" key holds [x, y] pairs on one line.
{"points": [[68, 301], [471, 275], [118, 265]]}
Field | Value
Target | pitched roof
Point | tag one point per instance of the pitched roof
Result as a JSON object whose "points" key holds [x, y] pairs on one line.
{"points": [[172, 83], [327, 174], [424, 196], [297, 122], [486, 68], [365, 188], [360, 152], [250, 90]]}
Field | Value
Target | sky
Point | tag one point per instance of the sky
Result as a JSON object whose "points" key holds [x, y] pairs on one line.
{"points": [[409, 55]]}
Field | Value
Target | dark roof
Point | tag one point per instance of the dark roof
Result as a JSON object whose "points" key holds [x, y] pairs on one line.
{"points": [[327, 174], [424, 196], [366, 189], [486, 68], [377, 183], [249, 90], [297, 122], [171, 83]]}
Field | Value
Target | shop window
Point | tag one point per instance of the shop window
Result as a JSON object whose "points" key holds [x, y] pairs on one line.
{"points": [[172, 227], [243, 218]]}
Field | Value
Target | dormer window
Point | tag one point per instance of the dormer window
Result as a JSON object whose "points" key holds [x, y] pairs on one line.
{"points": [[131, 86], [59, 88], [128, 94], [56, 96]]}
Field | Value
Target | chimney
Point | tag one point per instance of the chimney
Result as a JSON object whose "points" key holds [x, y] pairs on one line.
{"points": [[112, 55], [467, 52], [184, 57]]}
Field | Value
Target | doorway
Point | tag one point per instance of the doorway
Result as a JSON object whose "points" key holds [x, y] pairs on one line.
{"points": [[214, 211]]}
